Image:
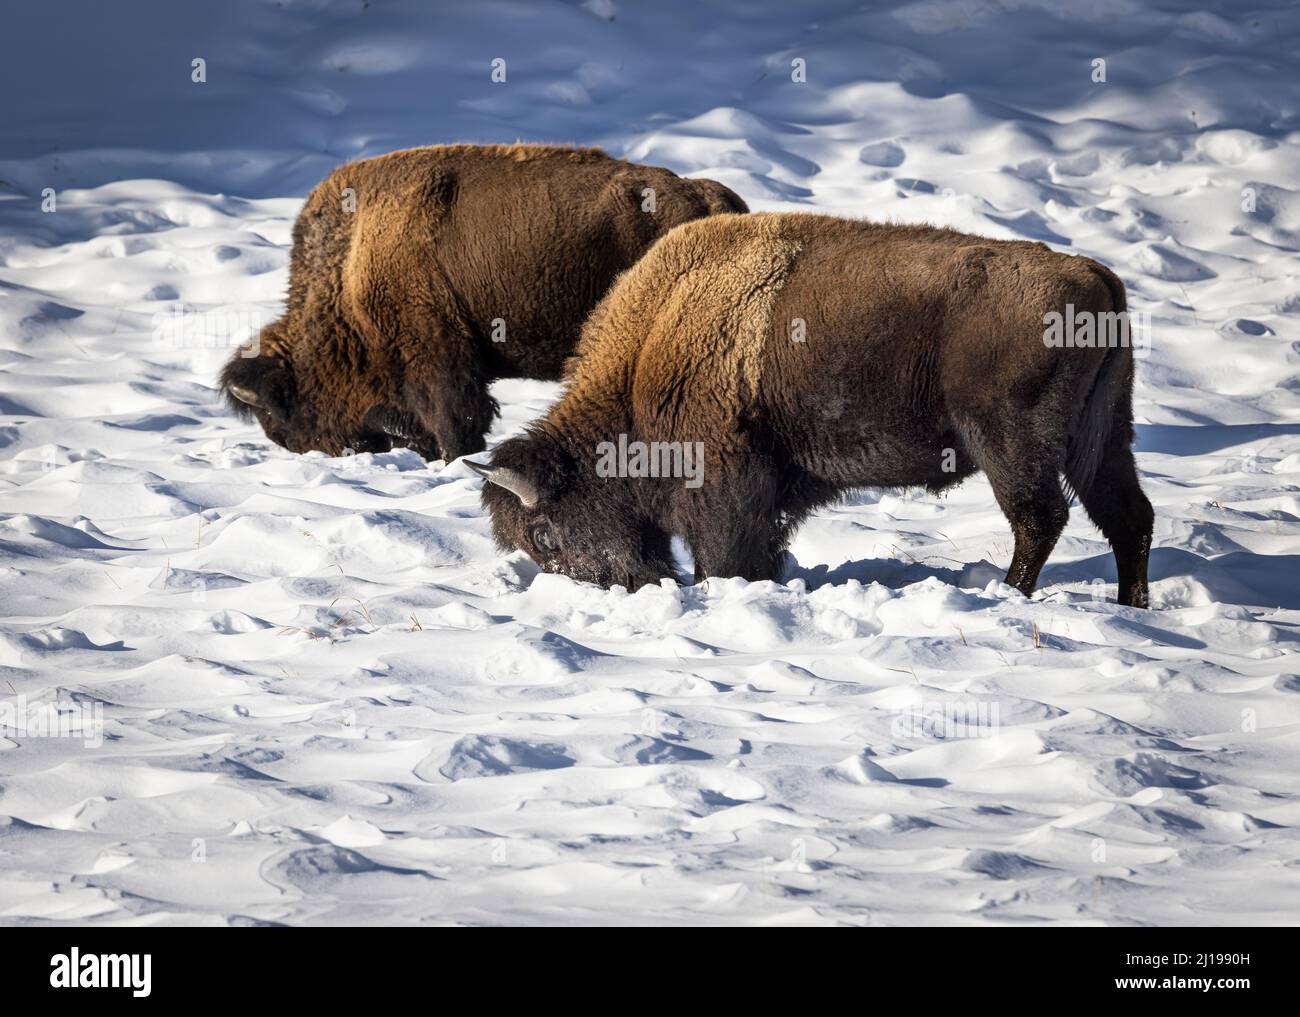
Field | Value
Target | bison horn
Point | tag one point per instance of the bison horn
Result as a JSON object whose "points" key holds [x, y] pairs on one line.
{"points": [[245, 395], [387, 420], [394, 429], [513, 481]]}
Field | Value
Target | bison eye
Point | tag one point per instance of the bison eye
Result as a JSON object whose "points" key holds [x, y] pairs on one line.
{"points": [[545, 539]]}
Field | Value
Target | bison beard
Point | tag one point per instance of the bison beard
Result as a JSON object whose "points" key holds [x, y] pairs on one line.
{"points": [[419, 277], [813, 355]]}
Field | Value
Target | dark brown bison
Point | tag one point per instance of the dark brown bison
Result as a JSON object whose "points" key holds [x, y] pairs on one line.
{"points": [[751, 368], [417, 278]]}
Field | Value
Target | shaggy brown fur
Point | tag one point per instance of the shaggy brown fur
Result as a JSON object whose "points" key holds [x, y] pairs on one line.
{"points": [[388, 337], [923, 362]]}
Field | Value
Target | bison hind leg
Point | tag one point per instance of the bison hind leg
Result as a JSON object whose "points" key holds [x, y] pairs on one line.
{"points": [[1037, 510], [1025, 476], [1115, 502]]}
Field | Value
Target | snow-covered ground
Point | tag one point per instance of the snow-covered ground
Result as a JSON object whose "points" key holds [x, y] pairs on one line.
{"points": [[303, 689]]}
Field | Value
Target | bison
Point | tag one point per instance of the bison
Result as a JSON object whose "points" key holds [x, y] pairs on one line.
{"points": [[794, 357], [418, 277]]}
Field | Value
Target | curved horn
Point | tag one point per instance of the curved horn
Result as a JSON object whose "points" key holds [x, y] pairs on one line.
{"points": [[513, 481], [394, 427], [389, 421], [245, 395]]}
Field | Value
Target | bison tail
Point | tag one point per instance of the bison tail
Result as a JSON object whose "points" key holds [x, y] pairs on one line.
{"points": [[1108, 408]]}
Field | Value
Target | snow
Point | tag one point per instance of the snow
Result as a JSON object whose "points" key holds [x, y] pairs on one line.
{"points": [[325, 697]]}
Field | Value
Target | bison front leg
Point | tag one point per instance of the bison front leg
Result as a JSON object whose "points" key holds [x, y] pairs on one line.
{"points": [[733, 529], [751, 552], [447, 390]]}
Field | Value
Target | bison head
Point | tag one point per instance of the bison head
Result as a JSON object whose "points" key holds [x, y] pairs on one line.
{"points": [[306, 401], [546, 500]]}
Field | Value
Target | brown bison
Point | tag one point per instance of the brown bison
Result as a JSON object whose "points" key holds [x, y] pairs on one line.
{"points": [[417, 278], [751, 368]]}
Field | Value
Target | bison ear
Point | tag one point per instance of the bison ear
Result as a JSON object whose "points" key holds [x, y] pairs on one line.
{"points": [[512, 480], [263, 383]]}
